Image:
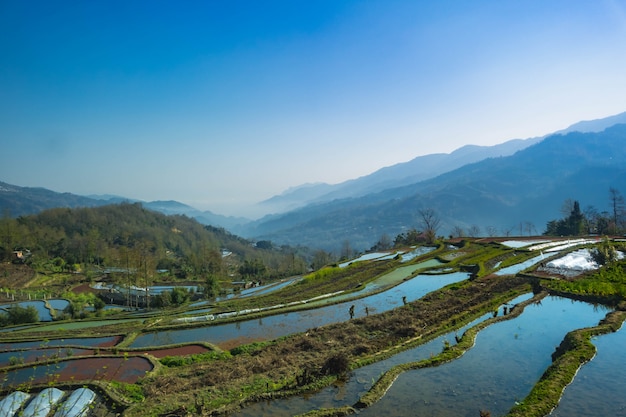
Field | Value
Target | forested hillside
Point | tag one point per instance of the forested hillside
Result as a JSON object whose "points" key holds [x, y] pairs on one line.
{"points": [[130, 236]]}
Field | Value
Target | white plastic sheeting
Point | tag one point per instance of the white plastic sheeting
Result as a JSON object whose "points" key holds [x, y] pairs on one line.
{"points": [[580, 260], [12, 402], [42, 404], [77, 404]]}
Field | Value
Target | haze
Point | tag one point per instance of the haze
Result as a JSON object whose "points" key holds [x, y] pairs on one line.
{"points": [[221, 104]]}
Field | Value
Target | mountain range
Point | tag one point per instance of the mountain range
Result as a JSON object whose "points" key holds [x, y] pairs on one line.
{"points": [[18, 201], [515, 194], [511, 188], [418, 169]]}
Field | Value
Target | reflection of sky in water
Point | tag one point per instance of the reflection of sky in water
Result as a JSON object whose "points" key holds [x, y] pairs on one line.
{"points": [[79, 341], [360, 380], [514, 269], [501, 368], [507, 360], [271, 327], [598, 388], [44, 313]]}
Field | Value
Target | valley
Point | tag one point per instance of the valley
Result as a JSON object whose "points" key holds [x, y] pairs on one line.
{"points": [[217, 369]]}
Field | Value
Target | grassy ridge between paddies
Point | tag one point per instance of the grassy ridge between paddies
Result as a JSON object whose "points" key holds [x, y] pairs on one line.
{"points": [[449, 353], [607, 285], [314, 359]]}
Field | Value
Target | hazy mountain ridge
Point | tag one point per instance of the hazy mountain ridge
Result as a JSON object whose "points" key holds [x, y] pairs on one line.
{"points": [[21, 201], [504, 192], [595, 125], [527, 189], [418, 169], [18, 201]]}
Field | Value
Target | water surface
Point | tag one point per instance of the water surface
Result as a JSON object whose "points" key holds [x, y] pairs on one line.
{"points": [[271, 327], [359, 381], [507, 360], [598, 388]]}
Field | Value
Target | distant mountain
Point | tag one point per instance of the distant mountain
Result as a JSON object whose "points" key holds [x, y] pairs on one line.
{"points": [[418, 169], [597, 125], [515, 194], [295, 197], [415, 170], [204, 217], [20, 201]]}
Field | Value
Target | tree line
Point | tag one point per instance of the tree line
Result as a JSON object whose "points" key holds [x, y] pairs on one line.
{"points": [[576, 221]]}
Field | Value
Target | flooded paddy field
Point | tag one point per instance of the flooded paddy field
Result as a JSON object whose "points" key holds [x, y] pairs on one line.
{"points": [[124, 369], [498, 371], [506, 361], [271, 327]]}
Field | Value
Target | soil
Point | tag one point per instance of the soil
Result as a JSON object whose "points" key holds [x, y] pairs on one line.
{"points": [[15, 276], [305, 359]]}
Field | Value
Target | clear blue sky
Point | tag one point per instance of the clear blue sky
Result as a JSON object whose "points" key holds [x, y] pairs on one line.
{"points": [[220, 104]]}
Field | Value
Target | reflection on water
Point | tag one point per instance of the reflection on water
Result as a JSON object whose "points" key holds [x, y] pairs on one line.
{"points": [[300, 321], [507, 360], [40, 306], [514, 269], [360, 380], [501, 368], [123, 369], [598, 389], [105, 341]]}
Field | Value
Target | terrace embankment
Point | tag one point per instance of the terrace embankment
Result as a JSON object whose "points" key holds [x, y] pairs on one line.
{"points": [[316, 357]]}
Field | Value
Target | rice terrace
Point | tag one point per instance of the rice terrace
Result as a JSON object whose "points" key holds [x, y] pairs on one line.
{"points": [[463, 327], [312, 208]]}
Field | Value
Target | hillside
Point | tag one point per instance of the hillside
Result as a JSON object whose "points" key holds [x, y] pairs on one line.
{"points": [[417, 169], [517, 194], [129, 235], [18, 201]]}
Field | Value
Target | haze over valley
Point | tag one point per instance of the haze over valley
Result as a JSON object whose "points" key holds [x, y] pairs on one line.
{"points": [[513, 188]]}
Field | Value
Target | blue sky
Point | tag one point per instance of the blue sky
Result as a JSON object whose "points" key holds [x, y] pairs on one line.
{"points": [[221, 104]]}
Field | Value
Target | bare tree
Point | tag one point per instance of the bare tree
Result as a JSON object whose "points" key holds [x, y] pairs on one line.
{"points": [[590, 217], [430, 223], [384, 243], [529, 227], [320, 259], [346, 250], [457, 231], [567, 207], [507, 232], [474, 231], [491, 231], [617, 207]]}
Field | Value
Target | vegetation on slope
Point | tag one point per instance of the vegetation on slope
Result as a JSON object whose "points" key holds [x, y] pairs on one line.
{"points": [[218, 381], [130, 237]]}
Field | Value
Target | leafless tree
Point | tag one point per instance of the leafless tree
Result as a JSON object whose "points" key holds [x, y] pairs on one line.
{"points": [[527, 227], [491, 231], [384, 242], [346, 250], [567, 207], [457, 231], [617, 207], [507, 232], [473, 231], [430, 223]]}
